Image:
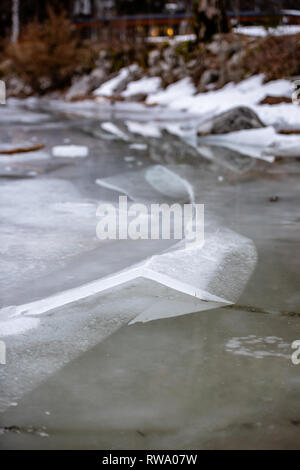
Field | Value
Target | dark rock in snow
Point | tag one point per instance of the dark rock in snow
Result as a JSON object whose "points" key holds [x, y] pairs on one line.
{"points": [[138, 97], [209, 76], [235, 119]]}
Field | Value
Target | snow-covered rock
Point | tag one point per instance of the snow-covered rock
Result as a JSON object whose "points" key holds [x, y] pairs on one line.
{"points": [[86, 84], [118, 83], [182, 89], [145, 85]]}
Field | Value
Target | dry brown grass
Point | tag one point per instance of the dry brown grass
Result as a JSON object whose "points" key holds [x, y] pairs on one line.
{"points": [[48, 55], [276, 57]]}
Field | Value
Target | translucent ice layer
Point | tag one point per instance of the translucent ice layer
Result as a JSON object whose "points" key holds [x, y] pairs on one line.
{"points": [[58, 327]]}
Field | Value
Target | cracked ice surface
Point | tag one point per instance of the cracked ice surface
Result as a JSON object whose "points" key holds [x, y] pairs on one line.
{"points": [[64, 307], [226, 372], [72, 329]]}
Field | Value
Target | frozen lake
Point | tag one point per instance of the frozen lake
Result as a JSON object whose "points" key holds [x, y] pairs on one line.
{"points": [[80, 376]]}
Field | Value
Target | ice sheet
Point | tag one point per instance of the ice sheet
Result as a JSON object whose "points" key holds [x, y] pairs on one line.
{"points": [[41, 227], [220, 243], [65, 333], [57, 328], [252, 142]]}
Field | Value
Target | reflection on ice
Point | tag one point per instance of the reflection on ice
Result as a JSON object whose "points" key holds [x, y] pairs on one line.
{"points": [[155, 183]]}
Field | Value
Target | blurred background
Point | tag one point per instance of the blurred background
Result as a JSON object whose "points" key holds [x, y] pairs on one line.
{"points": [[46, 46]]}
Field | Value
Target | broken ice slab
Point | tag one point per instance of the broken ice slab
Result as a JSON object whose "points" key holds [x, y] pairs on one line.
{"points": [[154, 183], [44, 335], [264, 144], [285, 146], [251, 142], [39, 234], [65, 333], [217, 272]]}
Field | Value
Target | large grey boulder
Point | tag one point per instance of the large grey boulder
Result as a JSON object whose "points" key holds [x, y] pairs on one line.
{"points": [[235, 119]]}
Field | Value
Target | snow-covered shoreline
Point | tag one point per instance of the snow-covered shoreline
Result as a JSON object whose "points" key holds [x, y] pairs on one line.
{"points": [[183, 96], [180, 100], [179, 110]]}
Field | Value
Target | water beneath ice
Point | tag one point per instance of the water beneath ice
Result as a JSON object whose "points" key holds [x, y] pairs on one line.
{"points": [[221, 378]]}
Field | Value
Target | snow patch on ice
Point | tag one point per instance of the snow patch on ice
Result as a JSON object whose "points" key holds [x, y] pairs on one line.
{"points": [[70, 151]]}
